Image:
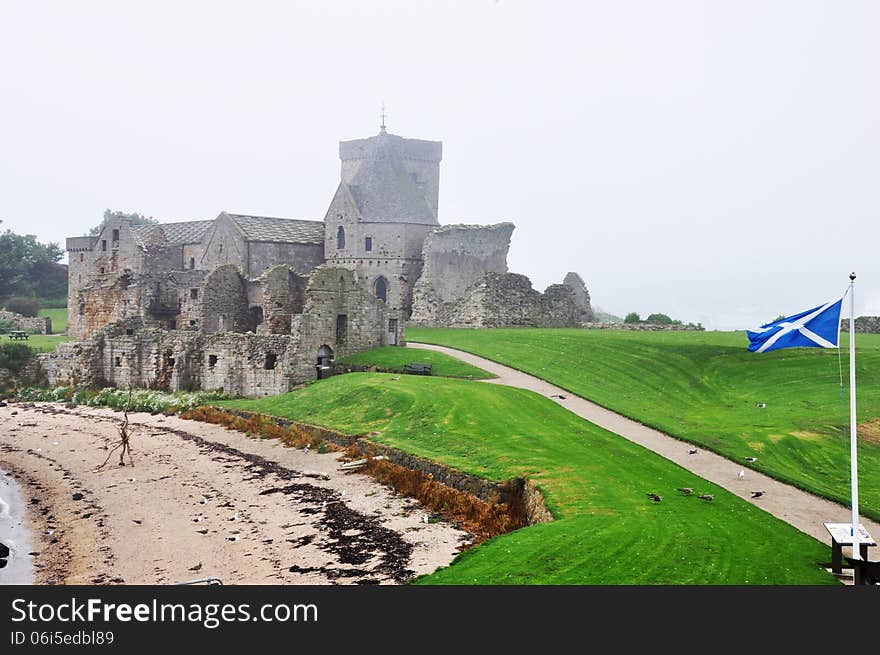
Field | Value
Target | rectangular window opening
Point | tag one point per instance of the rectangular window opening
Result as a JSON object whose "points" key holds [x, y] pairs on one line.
{"points": [[104, 245], [368, 244], [118, 361], [212, 361], [341, 329], [194, 294], [271, 360]]}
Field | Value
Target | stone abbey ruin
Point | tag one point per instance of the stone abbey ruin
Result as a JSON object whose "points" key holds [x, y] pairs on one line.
{"points": [[253, 305]]}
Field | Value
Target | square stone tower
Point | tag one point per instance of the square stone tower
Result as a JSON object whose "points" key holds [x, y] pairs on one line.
{"points": [[385, 206]]}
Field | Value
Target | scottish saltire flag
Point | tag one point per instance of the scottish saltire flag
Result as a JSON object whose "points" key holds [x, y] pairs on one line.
{"points": [[815, 328]]}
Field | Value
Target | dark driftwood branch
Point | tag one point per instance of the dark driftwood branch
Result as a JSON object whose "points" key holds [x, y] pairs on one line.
{"points": [[124, 439]]}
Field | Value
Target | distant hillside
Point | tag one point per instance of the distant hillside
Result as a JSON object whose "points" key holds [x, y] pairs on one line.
{"points": [[605, 317]]}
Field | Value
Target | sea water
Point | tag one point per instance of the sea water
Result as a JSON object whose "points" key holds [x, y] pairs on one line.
{"points": [[14, 533]]}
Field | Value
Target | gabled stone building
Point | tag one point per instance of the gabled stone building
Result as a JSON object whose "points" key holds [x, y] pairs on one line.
{"points": [[255, 304]]}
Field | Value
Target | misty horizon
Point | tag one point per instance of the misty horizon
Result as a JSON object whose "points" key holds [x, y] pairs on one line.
{"points": [[713, 163]]}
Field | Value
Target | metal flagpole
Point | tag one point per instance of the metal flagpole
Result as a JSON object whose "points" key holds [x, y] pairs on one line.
{"points": [[854, 469]]}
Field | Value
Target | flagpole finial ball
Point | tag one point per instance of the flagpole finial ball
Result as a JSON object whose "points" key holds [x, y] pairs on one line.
{"points": [[852, 276]]}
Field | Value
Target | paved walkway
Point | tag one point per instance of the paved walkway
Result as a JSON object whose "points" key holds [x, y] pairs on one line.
{"points": [[803, 510]]}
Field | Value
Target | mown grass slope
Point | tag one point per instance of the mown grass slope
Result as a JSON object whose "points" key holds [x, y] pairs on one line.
{"points": [[607, 531], [392, 358], [705, 387]]}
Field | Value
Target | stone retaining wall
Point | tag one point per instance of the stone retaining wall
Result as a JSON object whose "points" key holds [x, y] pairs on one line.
{"points": [[522, 494]]}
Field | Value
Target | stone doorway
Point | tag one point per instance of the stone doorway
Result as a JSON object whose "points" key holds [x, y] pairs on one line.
{"points": [[325, 362], [392, 332]]}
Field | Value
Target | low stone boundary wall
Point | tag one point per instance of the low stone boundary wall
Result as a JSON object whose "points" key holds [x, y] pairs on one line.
{"points": [[641, 327]]}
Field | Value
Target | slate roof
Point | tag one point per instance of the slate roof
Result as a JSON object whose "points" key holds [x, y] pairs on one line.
{"points": [[279, 230], [174, 234], [384, 191]]}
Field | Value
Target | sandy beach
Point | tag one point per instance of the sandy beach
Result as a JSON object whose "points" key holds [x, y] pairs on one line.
{"points": [[202, 501]]}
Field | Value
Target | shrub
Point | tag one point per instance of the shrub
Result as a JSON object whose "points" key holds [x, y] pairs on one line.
{"points": [[142, 400], [632, 317], [15, 356], [659, 319], [24, 305]]}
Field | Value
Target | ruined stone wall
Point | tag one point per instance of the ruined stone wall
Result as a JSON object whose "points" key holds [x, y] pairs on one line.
{"points": [[248, 365], [34, 324], [176, 360], [581, 296], [507, 300], [333, 293], [303, 258], [225, 304], [558, 307], [281, 295], [865, 324], [103, 300], [454, 258]]}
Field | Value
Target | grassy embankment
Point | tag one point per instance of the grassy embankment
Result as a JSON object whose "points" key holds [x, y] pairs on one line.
{"points": [[606, 530], [393, 359], [705, 387]]}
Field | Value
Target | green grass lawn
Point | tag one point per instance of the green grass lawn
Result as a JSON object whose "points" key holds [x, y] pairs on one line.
{"points": [[41, 343], [705, 387], [392, 358], [606, 530], [59, 318]]}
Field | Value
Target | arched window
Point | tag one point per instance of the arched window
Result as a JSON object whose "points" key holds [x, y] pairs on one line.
{"points": [[382, 289], [340, 238]]}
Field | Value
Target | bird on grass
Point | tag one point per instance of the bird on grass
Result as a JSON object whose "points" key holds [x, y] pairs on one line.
{"points": [[757, 494], [707, 497], [693, 451], [655, 497], [687, 491], [751, 460]]}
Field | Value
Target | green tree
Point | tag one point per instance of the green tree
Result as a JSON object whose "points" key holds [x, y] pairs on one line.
{"points": [[134, 217], [632, 317], [23, 259], [24, 305], [659, 319]]}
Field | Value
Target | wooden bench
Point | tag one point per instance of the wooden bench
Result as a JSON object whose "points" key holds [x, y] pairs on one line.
{"points": [[840, 536], [19, 334], [418, 369]]}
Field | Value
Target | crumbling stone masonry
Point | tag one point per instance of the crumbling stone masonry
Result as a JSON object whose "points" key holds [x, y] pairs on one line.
{"points": [[338, 316], [505, 300], [33, 324], [254, 304]]}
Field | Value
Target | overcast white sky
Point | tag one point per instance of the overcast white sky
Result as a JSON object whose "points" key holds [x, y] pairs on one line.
{"points": [[716, 161]]}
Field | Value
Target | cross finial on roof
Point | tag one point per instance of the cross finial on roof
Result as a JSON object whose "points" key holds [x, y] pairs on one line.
{"points": [[382, 126]]}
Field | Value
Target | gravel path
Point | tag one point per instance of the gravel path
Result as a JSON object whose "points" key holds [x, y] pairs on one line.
{"points": [[803, 510]]}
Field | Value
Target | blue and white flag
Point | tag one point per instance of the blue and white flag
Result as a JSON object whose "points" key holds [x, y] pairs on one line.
{"points": [[815, 328]]}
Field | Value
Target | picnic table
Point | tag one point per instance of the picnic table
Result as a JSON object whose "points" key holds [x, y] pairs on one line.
{"points": [[840, 536], [18, 334]]}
